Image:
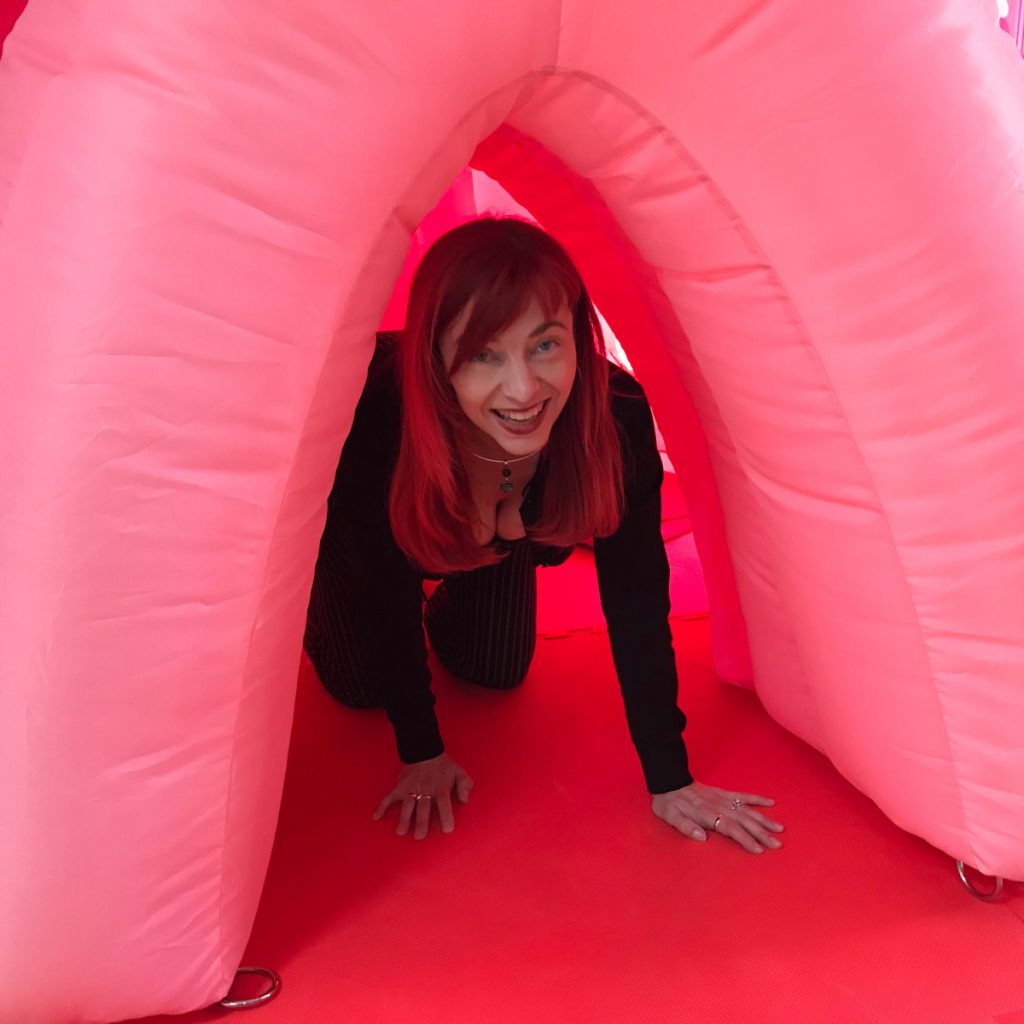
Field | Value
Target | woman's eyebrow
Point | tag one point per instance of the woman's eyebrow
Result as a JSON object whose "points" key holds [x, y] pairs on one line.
{"points": [[546, 326]]}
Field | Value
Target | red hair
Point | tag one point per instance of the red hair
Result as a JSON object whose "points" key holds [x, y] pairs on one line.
{"points": [[498, 266]]}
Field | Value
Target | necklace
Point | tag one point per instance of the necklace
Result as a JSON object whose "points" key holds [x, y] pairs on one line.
{"points": [[506, 486]]}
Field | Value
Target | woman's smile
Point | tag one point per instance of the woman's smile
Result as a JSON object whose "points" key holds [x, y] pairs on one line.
{"points": [[522, 421]]}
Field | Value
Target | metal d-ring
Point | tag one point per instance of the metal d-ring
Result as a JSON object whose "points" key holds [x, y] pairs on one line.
{"points": [[986, 897], [260, 1000]]}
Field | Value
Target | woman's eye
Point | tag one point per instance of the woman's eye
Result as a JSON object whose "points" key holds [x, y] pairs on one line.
{"points": [[482, 357], [547, 345]]}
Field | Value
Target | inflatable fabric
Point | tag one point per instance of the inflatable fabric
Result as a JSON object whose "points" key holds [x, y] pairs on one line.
{"points": [[802, 219]]}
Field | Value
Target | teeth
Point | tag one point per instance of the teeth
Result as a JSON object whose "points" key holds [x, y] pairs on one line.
{"points": [[523, 415]]}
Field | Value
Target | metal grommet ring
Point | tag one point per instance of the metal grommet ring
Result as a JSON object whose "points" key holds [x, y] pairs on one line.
{"points": [[986, 897], [260, 1000]]}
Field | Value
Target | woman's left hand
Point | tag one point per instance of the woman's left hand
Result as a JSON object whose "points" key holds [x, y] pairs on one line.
{"points": [[694, 810]]}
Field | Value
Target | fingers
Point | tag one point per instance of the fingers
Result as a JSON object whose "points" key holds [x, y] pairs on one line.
{"points": [[421, 787], [732, 828], [756, 824], [696, 811], [751, 829], [445, 813], [415, 813], [760, 835], [423, 808], [679, 818], [747, 832], [405, 817], [754, 800], [385, 804], [774, 826]]}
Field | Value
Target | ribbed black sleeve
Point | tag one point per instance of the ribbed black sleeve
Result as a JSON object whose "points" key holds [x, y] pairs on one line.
{"points": [[386, 609], [633, 577]]}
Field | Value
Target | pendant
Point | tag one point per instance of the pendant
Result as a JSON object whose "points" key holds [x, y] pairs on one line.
{"points": [[506, 484]]}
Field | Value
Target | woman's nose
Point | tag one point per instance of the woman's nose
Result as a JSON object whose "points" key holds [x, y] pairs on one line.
{"points": [[520, 382]]}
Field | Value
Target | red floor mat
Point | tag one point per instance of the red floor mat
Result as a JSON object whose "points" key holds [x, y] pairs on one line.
{"points": [[560, 898]]}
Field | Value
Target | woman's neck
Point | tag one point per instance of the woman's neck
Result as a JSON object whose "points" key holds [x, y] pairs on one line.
{"points": [[488, 469]]}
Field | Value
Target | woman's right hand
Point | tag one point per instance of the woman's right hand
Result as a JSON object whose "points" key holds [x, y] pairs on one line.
{"points": [[420, 788]]}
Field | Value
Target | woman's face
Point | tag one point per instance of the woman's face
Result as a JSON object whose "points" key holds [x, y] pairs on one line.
{"points": [[514, 389]]}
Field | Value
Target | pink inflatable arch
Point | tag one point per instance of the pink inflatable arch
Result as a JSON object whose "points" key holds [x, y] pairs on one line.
{"points": [[808, 217]]}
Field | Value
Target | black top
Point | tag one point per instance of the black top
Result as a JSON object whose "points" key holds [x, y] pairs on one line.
{"points": [[632, 575]]}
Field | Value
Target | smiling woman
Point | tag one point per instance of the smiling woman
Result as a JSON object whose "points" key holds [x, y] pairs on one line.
{"points": [[480, 347], [511, 393], [502, 365]]}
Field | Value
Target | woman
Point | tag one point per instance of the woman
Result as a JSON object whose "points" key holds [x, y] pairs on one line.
{"points": [[489, 439]]}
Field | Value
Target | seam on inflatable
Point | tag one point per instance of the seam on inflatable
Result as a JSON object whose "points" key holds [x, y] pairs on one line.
{"points": [[552, 69], [234, 746], [230, 795], [785, 296]]}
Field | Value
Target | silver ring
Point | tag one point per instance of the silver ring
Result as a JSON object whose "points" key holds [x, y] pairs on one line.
{"points": [[736, 804], [985, 897], [422, 796], [717, 820], [245, 1004]]}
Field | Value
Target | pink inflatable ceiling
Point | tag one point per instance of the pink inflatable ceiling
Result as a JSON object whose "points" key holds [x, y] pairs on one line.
{"points": [[804, 221]]}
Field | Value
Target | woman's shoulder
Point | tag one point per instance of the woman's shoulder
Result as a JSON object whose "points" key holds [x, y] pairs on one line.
{"points": [[383, 369], [635, 422], [369, 450], [380, 396], [627, 398], [622, 384], [375, 423]]}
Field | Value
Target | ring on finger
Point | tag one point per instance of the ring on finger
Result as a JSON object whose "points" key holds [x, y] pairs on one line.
{"points": [[717, 820], [736, 804]]}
